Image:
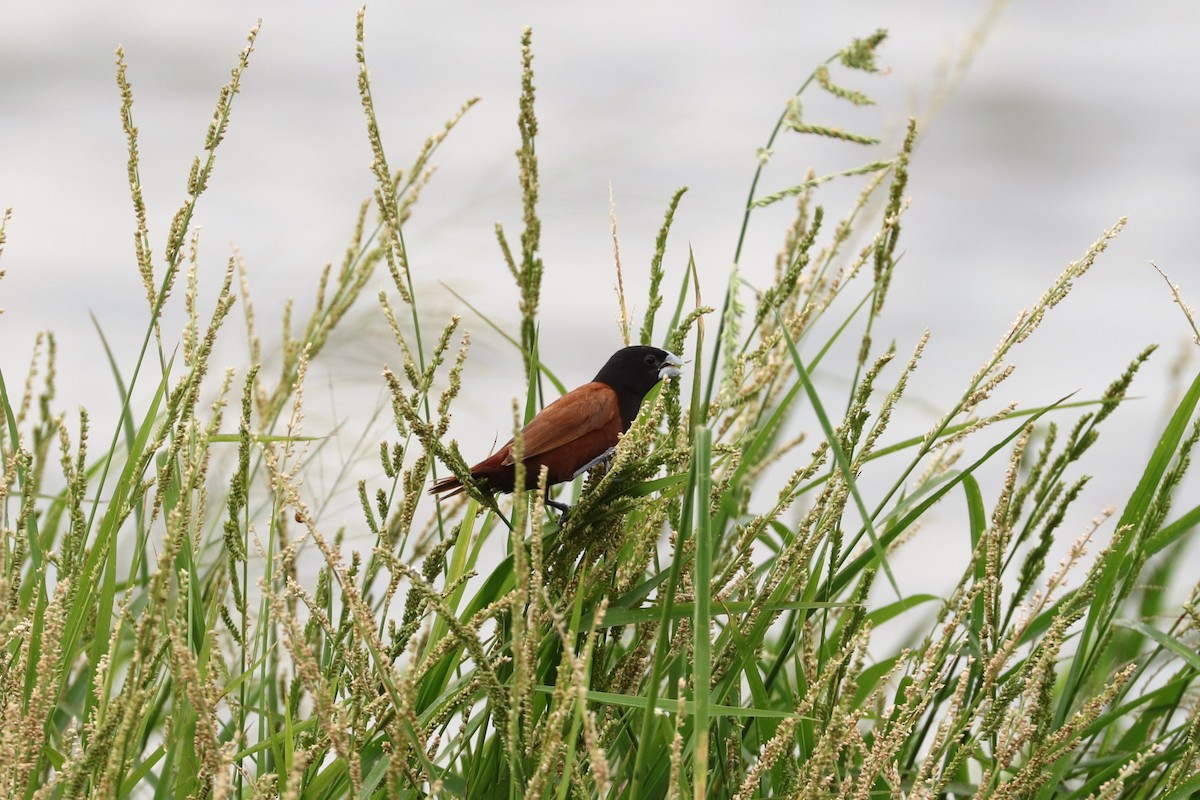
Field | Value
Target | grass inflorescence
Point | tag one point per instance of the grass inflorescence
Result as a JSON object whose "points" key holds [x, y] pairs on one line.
{"points": [[703, 623]]}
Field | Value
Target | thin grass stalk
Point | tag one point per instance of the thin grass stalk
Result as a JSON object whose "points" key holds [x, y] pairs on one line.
{"points": [[702, 624]]}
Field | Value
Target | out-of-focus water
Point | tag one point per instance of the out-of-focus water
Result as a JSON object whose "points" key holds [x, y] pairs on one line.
{"points": [[1070, 116]]}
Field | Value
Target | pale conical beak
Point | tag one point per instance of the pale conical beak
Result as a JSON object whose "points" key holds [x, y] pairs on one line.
{"points": [[670, 368]]}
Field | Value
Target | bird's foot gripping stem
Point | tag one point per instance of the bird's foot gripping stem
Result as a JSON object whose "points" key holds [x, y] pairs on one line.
{"points": [[562, 508]]}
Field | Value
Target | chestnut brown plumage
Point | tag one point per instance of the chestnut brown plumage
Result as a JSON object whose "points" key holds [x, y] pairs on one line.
{"points": [[579, 429]]}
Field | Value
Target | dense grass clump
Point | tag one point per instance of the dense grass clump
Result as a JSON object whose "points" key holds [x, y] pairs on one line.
{"points": [[700, 625]]}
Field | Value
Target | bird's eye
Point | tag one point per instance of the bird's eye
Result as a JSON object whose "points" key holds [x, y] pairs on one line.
{"points": [[651, 360]]}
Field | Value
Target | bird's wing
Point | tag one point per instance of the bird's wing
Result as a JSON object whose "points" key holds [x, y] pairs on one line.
{"points": [[575, 414]]}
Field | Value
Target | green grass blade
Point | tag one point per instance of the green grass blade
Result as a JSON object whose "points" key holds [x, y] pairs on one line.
{"points": [[702, 621], [843, 462]]}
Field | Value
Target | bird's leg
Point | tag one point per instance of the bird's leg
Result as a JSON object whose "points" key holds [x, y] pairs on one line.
{"points": [[603, 458], [563, 508]]}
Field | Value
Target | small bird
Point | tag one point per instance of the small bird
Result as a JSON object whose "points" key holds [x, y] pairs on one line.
{"points": [[578, 430]]}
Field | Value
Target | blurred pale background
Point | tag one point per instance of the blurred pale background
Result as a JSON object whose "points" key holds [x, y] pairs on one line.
{"points": [[1070, 116]]}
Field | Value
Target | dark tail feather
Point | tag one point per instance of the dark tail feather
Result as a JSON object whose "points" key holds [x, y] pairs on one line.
{"points": [[447, 487]]}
